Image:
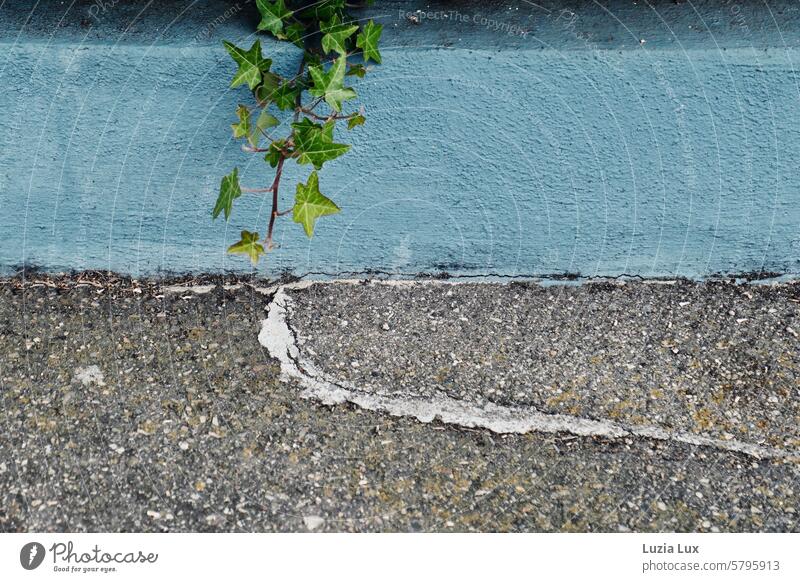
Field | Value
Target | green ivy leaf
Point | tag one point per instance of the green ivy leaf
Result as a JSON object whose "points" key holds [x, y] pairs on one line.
{"points": [[312, 59], [251, 64], [355, 121], [243, 128], [276, 149], [367, 41], [248, 245], [313, 143], [331, 24], [269, 83], [229, 190], [263, 123], [330, 85], [358, 70], [295, 33], [310, 204], [272, 16], [284, 96], [322, 10], [336, 34]]}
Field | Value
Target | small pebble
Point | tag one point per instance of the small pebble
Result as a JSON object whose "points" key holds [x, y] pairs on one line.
{"points": [[313, 522]]}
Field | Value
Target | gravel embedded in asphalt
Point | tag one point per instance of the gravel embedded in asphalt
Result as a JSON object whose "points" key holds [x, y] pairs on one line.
{"points": [[125, 406], [717, 359]]}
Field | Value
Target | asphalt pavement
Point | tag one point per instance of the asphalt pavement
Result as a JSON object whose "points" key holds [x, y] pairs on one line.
{"points": [[243, 405]]}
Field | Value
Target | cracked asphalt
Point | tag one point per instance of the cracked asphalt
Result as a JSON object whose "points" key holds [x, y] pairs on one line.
{"points": [[134, 406], [717, 359]]}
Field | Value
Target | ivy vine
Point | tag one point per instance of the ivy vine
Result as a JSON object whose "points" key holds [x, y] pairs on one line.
{"points": [[334, 47]]}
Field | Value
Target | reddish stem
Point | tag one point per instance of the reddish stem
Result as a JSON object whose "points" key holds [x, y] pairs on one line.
{"points": [[335, 116], [274, 188], [279, 169]]}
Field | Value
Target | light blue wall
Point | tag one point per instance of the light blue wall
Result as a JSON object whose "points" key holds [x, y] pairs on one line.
{"points": [[574, 148]]}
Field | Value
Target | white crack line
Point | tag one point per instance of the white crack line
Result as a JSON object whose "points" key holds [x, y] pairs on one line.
{"points": [[277, 336]]}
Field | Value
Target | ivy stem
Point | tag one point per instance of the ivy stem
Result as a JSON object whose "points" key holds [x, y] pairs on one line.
{"points": [[314, 103], [279, 169], [327, 117], [274, 189]]}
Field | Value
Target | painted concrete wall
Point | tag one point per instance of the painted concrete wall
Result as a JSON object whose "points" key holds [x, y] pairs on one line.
{"points": [[502, 138]]}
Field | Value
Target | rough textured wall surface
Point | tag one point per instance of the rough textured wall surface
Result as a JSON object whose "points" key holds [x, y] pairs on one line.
{"points": [[502, 138]]}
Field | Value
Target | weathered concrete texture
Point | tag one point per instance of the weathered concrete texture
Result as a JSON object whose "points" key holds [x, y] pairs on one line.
{"points": [[127, 405], [623, 138], [717, 360]]}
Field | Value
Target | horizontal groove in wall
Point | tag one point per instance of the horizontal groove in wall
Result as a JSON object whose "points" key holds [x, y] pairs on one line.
{"points": [[488, 24]]}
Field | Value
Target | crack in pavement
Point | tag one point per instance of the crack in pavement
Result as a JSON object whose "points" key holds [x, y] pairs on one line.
{"points": [[280, 339]]}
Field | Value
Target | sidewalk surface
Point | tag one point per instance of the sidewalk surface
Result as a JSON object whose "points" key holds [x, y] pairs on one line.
{"points": [[426, 406]]}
